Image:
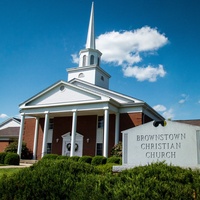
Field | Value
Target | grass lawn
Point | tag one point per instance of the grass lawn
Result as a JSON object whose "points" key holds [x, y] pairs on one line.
{"points": [[8, 171]]}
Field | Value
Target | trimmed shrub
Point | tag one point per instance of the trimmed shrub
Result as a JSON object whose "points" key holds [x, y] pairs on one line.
{"points": [[85, 159], [11, 159], [60, 157], [2, 157], [25, 153], [74, 158], [49, 179], [98, 160], [114, 159], [50, 156], [107, 168]]}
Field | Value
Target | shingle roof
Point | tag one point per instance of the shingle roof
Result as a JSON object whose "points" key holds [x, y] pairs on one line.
{"points": [[195, 122], [9, 132]]}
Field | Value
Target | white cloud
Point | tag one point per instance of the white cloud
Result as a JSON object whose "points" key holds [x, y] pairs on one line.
{"points": [[145, 73], [125, 46], [2, 116], [168, 114], [183, 99], [75, 58], [159, 108]]}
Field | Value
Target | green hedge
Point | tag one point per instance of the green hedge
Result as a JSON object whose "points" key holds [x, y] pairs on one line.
{"points": [[11, 159], [50, 156], [85, 159], [2, 157], [114, 159], [98, 160], [65, 179]]}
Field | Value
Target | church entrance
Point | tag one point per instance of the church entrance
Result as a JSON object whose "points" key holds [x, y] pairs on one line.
{"points": [[66, 144]]}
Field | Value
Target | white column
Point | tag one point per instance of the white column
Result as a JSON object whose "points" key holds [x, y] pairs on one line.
{"points": [[73, 133], [106, 133], [21, 131], [35, 138], [46, 127], [116, 128]]}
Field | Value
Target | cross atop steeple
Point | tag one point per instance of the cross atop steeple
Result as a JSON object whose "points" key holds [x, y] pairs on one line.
{"points": [[90, 37]]}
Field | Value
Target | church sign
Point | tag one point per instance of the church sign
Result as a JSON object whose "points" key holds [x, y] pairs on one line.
{"points": [[176, 144]]}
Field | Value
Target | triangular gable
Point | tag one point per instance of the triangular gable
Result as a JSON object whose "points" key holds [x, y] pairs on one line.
{"points": [[118, 97], [62, 92], [68, 135], [12, 122]]}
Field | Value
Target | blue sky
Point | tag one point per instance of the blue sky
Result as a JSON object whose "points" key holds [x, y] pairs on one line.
{"points": [[151, 48]]}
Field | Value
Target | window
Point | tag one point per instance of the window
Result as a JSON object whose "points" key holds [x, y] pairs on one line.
{"points": [[84, 60], [51, 124], [91, 60], [98, 61], [99, 149], [48, 148], [81, 75], [100, 121], [102, 78]]}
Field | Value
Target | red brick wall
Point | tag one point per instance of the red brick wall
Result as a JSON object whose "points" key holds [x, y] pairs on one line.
{"points": [[29, 129], [28, 136], [86, 125], [129, 120], [61, 126], [3, 145]]}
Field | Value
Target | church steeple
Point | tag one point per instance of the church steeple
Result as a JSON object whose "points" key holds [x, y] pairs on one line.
{"points": [[89, 69], [90, 36], [90, 55]]}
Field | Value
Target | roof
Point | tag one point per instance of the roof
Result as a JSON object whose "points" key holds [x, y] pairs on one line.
{"points": [[195, 122], [9, 132], [81, 93], [8, 122]]}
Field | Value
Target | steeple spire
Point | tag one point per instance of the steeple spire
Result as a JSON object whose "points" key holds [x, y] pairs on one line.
{"points": [[90, 37]]}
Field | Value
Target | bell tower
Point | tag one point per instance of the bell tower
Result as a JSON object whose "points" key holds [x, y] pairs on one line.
{"points": [[89, 61]]}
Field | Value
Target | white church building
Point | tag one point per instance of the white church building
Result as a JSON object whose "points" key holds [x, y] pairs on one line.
{"points": [[80, 116]]}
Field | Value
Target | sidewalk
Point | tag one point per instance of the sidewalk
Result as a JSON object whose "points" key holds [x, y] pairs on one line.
{"points": [[23, 163]]}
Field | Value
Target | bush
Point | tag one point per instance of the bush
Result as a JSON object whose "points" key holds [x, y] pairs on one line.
{"points": [[114, 159], [85, 159], [74, 158], [50, 156], [2, 157], [48, 179], [11, 159], [64, 179], [117, 150], [25, 153], [60, 157], [98, 160], [107, 168]]}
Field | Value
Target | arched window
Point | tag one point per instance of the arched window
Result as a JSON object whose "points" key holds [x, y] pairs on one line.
{"points": [[91, 60], [81, 75], [84, 60]]}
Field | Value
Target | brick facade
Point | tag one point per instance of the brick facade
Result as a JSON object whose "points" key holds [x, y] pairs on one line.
{"points": [[86, 126]]}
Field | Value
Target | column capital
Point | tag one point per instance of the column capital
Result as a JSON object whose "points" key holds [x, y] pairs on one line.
{"points": [[46, 112], [106, 108], [22, 114], [74, 110]]}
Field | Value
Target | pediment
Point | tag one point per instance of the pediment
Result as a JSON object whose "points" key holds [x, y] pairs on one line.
{"points": [[60, 93]]}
